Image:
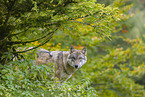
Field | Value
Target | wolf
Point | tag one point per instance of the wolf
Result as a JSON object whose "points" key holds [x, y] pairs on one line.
{"points": [[65, 62]]}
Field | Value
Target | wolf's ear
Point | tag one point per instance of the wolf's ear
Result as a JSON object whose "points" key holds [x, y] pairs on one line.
{"points": [[84, 51], [72, 49]]}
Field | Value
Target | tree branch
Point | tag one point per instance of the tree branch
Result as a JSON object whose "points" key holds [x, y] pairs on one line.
{"points": [[47, 39], [14, 34], [21, 42], [19, 32]]}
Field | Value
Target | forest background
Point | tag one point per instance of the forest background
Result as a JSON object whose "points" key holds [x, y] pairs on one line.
{"points": [[112, 30]]}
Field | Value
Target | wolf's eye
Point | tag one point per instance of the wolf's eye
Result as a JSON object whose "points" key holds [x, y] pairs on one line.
{"points": [[73, 58], [81, 58]]}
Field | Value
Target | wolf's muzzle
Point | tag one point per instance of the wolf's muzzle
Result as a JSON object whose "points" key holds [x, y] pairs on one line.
{"points": [[76, 66]]}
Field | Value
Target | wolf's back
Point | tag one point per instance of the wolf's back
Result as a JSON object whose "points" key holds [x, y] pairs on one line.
{"points": [[43, 57]]}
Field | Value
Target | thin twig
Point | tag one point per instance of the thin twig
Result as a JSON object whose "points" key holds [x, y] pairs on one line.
{"points": [[21, 42], [19, 32], [38, 45]]}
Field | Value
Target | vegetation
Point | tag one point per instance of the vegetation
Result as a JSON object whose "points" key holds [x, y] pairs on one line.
{"points": [[111, 30]]}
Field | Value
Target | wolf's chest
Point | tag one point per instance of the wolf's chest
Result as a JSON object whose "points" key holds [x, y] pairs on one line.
{"points": [[65, 76]]}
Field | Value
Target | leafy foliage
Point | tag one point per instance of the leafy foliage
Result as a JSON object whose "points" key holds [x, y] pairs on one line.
{"points": [[72, 19], [35, 81], [120, 71]]}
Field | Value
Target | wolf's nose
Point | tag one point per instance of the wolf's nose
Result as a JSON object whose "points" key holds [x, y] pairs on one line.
{"points": [[76, 66]]}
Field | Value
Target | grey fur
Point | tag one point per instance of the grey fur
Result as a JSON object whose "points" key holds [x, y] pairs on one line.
{"points": [[65, 62]]}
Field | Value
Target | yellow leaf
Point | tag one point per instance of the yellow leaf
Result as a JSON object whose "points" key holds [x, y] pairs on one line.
{"points": [[79, 19], [118, 72], [59, 43], [36, 43]]}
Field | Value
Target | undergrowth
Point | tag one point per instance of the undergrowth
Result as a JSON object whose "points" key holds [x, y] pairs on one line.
{"points": [[24, 79]]}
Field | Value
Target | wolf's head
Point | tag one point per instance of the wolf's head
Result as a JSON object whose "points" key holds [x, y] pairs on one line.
{"points": [[77, 58]]}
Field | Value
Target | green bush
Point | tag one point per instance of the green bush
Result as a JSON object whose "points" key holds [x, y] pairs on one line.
{"points": [[23, 78]]}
